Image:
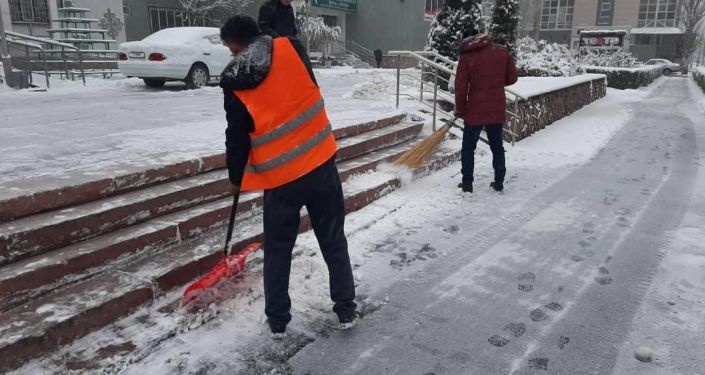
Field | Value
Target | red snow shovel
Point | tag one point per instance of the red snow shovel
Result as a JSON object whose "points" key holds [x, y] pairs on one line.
{"points": [[228, 267]]}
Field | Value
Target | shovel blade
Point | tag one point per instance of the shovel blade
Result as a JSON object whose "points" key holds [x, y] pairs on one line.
{"points": [[228, 267]]}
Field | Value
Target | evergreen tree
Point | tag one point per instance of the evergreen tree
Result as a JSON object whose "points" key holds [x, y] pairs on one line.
{"points": [[505, 21], [454, 21]]}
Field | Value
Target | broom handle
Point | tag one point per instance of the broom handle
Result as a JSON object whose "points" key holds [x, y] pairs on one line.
{"points": [[231, 225]]}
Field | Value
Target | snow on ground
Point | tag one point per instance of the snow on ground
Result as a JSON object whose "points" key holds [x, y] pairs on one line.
{"points": [[672, 315], [117, 126], [232, 337]]}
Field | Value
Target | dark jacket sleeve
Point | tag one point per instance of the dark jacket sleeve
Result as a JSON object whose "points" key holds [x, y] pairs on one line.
{"points": [[237, 137], [266, 15], [462, 84], [511, 75], [303, 55]]}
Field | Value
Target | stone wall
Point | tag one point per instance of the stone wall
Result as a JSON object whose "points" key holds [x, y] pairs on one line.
{"points": [[627, 78], [543, 110]]}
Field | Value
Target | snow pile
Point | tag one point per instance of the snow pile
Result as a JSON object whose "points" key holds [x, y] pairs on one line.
{"points": [[542, 59], [379, 87]]}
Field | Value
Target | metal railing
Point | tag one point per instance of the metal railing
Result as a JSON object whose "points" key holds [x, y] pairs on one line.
{"points": [[37, 43], [441, 71]]}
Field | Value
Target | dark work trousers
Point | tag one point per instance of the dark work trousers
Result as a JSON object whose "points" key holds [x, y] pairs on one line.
{"points": [[322, 194], [471, 134]]}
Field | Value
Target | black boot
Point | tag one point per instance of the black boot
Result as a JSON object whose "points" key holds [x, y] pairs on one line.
{"points": [[467, 188], [497, 186]]}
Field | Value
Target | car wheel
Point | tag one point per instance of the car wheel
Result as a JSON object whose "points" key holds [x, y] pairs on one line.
{"points": [[154, 83], [667, 72], [198, 76]]}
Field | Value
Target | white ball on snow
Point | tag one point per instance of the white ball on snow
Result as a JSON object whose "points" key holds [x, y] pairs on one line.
{"points": [[644, 354]]}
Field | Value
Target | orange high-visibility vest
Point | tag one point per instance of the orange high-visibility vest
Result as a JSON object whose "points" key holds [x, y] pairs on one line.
{"points": [[293, 135]]}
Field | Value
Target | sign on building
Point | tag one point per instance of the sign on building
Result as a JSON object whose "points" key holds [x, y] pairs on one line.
{"points": [[349, 6]]}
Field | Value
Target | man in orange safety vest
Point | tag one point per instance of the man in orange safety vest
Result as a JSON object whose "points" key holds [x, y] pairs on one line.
{"points": [[279, 139]]}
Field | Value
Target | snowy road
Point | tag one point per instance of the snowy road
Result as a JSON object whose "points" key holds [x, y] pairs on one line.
{"points": [[554, 286]]}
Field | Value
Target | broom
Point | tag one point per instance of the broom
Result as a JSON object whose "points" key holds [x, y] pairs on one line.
{"points": [[419, 154], [228, 267]]}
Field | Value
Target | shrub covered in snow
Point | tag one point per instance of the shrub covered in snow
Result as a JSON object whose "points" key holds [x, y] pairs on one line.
{"points": [[613, 58], [543, 59], [627, 78], [454, 20], [699, 76]]}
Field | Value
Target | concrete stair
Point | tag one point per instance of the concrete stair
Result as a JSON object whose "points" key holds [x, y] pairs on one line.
{"points": [[72, 266]]}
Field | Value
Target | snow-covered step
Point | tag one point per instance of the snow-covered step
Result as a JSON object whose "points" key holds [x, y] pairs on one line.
{"points": [[57, 318], [21, 206], [44, 272], [37, 234]]}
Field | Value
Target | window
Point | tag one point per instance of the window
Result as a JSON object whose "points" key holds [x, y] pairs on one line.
{"points": [[557, 14], [35, 11], [605, 9], [161, 18], [643, 39], [658, 13], [432, 7]]}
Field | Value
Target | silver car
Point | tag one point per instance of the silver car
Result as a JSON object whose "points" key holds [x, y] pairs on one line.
{"points": [[668, 66]]}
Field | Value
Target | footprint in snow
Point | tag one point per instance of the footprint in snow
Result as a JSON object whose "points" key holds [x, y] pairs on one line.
{"points": [[526, 282], [603, 276]]}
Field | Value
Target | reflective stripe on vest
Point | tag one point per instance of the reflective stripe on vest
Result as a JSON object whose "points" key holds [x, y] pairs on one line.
{"points": [[293, 135]]}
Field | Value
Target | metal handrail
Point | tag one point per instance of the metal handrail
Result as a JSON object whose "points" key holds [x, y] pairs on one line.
{"points": [[63, 47], [360, 46], [38, 47]]}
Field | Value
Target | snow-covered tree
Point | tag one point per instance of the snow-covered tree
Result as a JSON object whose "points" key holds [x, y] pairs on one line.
{"points": [[692, 16], [454, 21], [201, 12], [505, 21], [316, 35]]}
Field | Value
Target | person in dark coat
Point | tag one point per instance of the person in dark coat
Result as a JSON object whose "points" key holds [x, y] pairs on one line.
{"points": [[378, 57], [484, 69], [315, 184], [276, 18]]}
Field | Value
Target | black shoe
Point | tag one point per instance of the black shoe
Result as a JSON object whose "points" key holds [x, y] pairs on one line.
{"points": [[347, 321], [497, 186], [277, 329], [467, 188]]}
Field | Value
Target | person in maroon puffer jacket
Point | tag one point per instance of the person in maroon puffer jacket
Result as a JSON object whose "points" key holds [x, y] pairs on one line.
{"points": [[485, 68]]}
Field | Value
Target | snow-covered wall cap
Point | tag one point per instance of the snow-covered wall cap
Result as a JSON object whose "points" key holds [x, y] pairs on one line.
{"points": [[537, 86]]}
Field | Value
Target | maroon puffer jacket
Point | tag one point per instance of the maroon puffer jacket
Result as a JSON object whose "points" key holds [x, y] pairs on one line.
{"points": [[485, 68]]}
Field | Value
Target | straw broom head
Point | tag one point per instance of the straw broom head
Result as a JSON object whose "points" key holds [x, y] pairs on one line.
{"points": [[417, 156]]}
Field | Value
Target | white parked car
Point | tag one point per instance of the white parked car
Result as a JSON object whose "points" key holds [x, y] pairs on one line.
{"points": [[195, 55], [668, 66]]}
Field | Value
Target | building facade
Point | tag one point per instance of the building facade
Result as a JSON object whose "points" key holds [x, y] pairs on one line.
{"points": [[653, 25]]}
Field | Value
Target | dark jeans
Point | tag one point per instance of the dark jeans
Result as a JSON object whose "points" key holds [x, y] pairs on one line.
{"points": [[471, 134], [322, 194]]}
